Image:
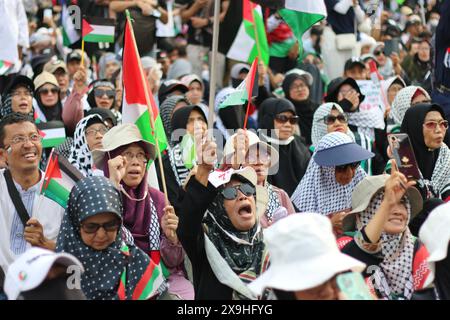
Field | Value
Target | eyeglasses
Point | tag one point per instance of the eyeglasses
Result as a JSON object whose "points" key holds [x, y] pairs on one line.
{"points": [[93, 132], [344, 92], [47, 91], [283, 119], [109, 226], [100, 93], [431, 125], [34, 138], [141, 157], [379, 52], [353, 165], [330, 119], [231, 193], [25, 93], [254, 157]]}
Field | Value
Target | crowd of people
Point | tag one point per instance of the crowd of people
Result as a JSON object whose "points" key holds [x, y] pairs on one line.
{"points": [[309, 192]]}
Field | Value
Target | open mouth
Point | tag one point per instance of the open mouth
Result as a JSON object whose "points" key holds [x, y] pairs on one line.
{"points": [[396, 220], [30, 156], [134, 173], [245, 210], [23, 106]]}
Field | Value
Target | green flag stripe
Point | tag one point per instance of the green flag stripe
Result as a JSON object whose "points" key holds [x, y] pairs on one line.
{"points": [[149, 287], [143, 123], [98, 38], [260, 37], [57, 193], [52, 142]]}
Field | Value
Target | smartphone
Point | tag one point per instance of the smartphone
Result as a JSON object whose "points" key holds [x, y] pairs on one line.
{"points": [[404, 155], [353, 286], [391, 46]]}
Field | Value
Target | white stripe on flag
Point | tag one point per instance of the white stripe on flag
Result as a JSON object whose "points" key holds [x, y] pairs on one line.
{"points": [[242, 46], [54, 133], [102, 30], [131, 112], [308, 6]]}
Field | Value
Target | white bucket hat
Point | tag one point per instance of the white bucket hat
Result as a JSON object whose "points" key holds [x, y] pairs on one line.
{"points": [[253, 140], [118, 136], [31, 269], [435, 233], [303, 254]]}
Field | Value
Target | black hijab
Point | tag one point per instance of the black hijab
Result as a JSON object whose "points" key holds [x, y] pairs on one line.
{"points": [[96, 84], [333, 91], [181, 116], [305, 109], [412, 125], [294, 156]]}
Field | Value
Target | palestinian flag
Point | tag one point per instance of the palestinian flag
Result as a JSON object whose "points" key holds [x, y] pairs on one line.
{"points": [[53, 133], [138, 103], [251, 40], [246, 90], [60, 177], [97, 29], [147, 286], [5, 67], [70, 34], [301, 15]]}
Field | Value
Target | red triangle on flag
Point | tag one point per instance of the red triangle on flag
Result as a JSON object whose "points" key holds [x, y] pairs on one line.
{"points": [[52, 171], [86, 28]]}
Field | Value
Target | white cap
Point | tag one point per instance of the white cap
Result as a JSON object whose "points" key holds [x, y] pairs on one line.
{"points": [[31, 269], [435, 233], [303, 254]]}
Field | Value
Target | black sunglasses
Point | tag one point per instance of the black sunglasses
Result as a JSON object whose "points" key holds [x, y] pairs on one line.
{"points": [[330, 119], [283, 119], [109, 226], [231, 193], [47, 91], [377, 53], [100, 93], [343, 167]]}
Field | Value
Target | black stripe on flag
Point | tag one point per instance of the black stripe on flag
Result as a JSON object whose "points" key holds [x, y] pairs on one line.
{"points": [[98, 21]]}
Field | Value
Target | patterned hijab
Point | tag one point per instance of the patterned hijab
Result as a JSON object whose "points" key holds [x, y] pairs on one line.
{"points": [[402, 102], [80, 155], [103, 269], [397, 250], [166, 111], [246, 260], [318, 190], [319, 128], [6, 107]]}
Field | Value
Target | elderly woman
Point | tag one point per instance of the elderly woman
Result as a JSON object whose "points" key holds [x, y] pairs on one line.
{"points": [[49, 105], [426, 127], [264, 159], [277, 122], [390, 89], [88, 137], [114, 267], [331, 177], [296, 87], [220, 232], [382, 208], [405, 98], [151, 222], [18, 97]]}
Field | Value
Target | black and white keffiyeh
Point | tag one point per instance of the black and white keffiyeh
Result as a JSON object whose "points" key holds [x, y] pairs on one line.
{"points": [[394, 277], [80, 155], [402, 102], [177, 163], [441, 173], [319, 128], [318, 191], [154, 228], [273, 203]]}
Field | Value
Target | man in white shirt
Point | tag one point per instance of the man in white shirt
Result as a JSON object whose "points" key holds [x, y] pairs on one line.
{"points": [[21, 149], [13, 32]]}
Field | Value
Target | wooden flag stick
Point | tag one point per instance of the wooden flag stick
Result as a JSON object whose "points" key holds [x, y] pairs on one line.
{"points": [[213, 66], [149, 107], [82, 52]]}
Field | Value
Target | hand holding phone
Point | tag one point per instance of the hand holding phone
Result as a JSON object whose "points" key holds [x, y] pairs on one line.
{"points": [[353, 286], [403, 153]]}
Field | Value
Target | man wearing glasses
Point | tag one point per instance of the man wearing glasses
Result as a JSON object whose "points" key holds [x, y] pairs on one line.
{"points": [[30, 219]]}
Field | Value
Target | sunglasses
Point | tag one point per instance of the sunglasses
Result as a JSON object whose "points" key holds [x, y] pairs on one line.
{"points": [[109, 226], [377, 53], [47, 91], [343, 167], [231, 193], [431, 125], [330, 119], [283, 119], [100, 93]]}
